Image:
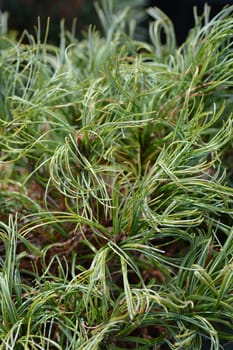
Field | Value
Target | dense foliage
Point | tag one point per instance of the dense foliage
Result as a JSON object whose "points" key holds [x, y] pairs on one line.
{"points": [[116, 187]]}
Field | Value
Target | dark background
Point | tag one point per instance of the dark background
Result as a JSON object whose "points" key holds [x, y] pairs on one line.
{"points": [[181, 12], [24, 13]]}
